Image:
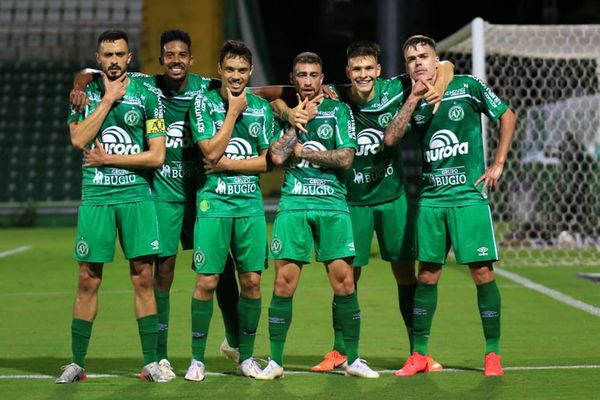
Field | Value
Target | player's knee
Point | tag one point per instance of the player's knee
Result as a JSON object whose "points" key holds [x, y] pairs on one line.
{"points": [[283, 287], [88, 283], [482, 273], [207, 283]]}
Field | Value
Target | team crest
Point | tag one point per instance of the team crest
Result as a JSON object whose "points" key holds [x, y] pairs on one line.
{"points": [[199, 258], [276, 246], [254, 129], [456, 113], [384, 119], [325, 132], [132, 118], [82, 248]]}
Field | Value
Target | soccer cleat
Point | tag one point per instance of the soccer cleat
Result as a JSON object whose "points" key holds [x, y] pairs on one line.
{"points": [[249, 367], [71, 373], [272, 371], [332, 360], [415, 364], [432, 365], [152, 373], [233, 353], [166, 369], [492, 367], [360, 368], [195, 372]]}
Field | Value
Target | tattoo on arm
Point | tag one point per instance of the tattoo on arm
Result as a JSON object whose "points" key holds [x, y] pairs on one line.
{"points": [[284, 146], [340, 159], [397, 128]]}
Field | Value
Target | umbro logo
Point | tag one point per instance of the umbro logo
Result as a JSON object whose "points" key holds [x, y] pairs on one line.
{"points": [[482, 251]]}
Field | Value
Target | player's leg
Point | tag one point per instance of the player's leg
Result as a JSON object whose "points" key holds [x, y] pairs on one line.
{"points": [[227, 298]]}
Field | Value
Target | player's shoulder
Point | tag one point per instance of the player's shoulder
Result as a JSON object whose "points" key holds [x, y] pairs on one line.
{"points": [[332, 105], [255, 101], [401, 81], [198, 82]]}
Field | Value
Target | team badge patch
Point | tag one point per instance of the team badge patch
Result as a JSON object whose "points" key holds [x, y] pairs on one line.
{"points": [[456, 113], [384, 119], [199, 258], [325, 132], [254, 129], [204, 205], [82, 248], [132, 117], [276, 246]]}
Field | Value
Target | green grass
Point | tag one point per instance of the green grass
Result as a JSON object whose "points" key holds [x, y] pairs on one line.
{"points": [[37, 288]]}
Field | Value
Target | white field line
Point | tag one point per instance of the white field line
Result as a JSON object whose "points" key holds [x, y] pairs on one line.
{"points": [[556, 295], [289, 372], [14, 251]]}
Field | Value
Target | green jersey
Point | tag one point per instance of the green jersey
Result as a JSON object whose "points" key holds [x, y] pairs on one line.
{"points": [[452, 143], [182, 172], [232, 194], [307, 186], [132, 120], [377, 174]]}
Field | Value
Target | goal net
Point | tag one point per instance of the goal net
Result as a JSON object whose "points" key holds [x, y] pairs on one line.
{"points": [[547, 207]]}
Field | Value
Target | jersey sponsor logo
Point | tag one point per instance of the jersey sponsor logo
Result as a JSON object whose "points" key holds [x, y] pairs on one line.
{"points": [[132, 117], [82, 248], [114, 179], [237, 185], [238, 149], [254, 129], [448, 176], [314, 187], [482, 251], [199, 258], [456, 113], [311, 145], [369, 142], [116, 140], [178, 169], [377, 173], [325, 132], [444, 144], [384, 120], [276, 246], [155, 125], [178, 135]]}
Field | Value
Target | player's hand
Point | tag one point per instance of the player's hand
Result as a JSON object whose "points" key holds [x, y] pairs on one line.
{"points": [[220, 166], [490, 177], [329, 92], [432, 97], [96, 156], [78, 99], [298, 149], [298, 116], [313, 105], [114, 90], [237, 104]]}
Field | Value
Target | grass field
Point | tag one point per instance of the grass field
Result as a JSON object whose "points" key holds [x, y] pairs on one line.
{"points": [[550, 349]]}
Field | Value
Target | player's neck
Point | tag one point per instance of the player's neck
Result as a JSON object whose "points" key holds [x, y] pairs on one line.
{"points": [[175, 85], [361, 97]]}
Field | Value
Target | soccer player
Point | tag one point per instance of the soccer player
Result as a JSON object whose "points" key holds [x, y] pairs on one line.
{"points": [[313, 209], [124, 118], [233, 128], [453, 208]]}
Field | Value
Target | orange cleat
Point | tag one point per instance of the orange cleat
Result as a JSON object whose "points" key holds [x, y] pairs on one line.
{"points": [[492, 367], [415, 364], [432, 365], [332, 360]]}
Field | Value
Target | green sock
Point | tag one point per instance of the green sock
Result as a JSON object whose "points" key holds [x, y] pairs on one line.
{"points": [[338, 334], [425, 302], [163, 308], [406, 295], [81, 331], [249, 312], [280, 319], [349, 316], [227, 298], [148, 329], [202, 311], [488, 300]]}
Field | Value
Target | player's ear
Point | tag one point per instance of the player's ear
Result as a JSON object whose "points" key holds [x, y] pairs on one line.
{"points": [[219, 69], [129, 57], [378, 69], [191, 59], [98, 59], [347, 72], [251, 70], [160, 60], [292, 78]]}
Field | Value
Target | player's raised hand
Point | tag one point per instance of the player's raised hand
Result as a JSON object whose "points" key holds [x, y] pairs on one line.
{"points": [[237, 104], [298, 116], [329, 92], [312, 106], [114, 90], [490, 177], [78, 99], [432, 96], [96, 156]]}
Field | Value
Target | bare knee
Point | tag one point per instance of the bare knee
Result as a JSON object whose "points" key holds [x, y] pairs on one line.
{"points": [[250, 285], [284, 286], [481, 273], [429, 273], [90, 278], [205, 286]]}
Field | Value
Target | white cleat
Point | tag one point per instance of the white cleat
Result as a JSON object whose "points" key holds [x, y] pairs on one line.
{"points": [[360, 368], [71, 373], [195, 372], [249, 368], [166, 369], [233, 353], [152, 373], [272, 371]]}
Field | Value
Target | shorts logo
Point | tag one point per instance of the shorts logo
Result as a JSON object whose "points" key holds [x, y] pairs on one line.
{"points": [[254, 129], [456, 113], [276, 246], [82, 248], [351, 246], [155, 245], [199, 258], [482, 251], [204, 205], [132, 117], [384, 119], [325, 132]]}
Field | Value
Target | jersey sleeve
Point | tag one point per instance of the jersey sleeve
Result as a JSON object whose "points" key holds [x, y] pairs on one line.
{"points": [[201, 122], [268, 129], [279, 129], [155, 118], [74, 114], [345, 129], [399, 85], [486, 100]]}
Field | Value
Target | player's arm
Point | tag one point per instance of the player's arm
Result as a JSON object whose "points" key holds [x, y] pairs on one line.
{"points": [[339, 158], [298, 116], [397, 128], [77, 96], [85, 131], [281, 149], [214, 147], [492, 174], [254, 165], [154, 157], [275, 92], [444, 75]]}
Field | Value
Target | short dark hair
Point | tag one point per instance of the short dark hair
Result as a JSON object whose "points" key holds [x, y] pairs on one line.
{"points": [[307, 57], [416, 40], [112, 35], [363, 48], [235, 48], [175, 34]]}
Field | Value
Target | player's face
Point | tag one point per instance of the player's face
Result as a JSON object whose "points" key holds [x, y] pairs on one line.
{"points": [[307, 78], [362, 72], [176, 58], [113, 58], [235, 73], [421, 62]]}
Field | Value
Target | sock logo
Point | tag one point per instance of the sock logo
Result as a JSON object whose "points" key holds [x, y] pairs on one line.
{"points": [[489, 314]]}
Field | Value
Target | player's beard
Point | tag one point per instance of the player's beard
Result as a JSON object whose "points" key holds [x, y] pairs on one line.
{"points": [[114, 74]]}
